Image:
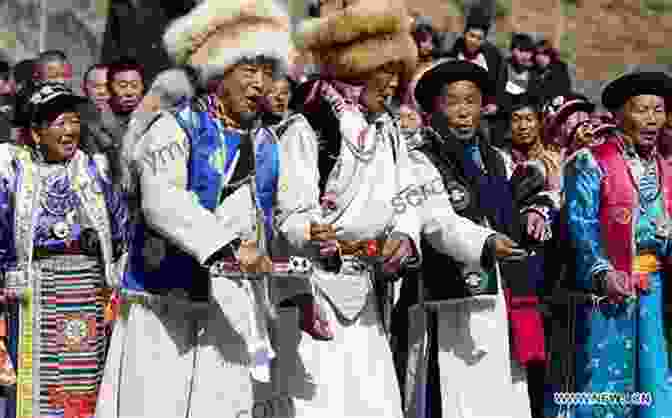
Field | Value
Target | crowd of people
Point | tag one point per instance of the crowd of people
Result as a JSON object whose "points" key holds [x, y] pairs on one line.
{"points": [[342, 219]]}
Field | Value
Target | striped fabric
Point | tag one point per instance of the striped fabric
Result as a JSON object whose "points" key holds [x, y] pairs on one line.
{"points": [[69, 306]]}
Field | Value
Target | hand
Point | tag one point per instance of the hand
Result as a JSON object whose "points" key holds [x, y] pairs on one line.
{"points": [[322, 232], [619, 286], [328, 248], [395, 251], [536, 226], [251, 261], [507, 249]]}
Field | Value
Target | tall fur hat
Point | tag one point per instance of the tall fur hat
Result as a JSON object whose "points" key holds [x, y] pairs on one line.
{"points": [[358, 39], [217, 34]]}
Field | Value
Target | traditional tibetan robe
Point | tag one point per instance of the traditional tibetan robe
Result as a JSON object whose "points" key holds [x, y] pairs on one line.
{"points": [[467, 332], [615, 200], [63, 232], [352, 375], [209, 334]]}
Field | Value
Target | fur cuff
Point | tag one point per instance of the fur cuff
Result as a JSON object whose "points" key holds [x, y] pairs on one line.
{"points": [[360, 58], [362, 20]]}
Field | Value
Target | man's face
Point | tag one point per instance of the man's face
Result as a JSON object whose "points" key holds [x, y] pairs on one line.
{"points": [[280, 96], [380, 87], [54, 71], [60, 138], [461, 104], [409, 118], [643, 118], [522, 57], [525, 127], [127, 89], [473, 39], [96, 88], [241, 88]]}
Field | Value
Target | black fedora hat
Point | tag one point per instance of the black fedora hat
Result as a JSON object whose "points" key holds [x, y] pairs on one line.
{"points": [[446, 72], [619, 91]]}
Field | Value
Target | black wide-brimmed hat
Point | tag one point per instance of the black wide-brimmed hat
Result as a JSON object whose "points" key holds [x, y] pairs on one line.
{"points": [[446, 72], [619, 91], [515, 102], [42, 102]]}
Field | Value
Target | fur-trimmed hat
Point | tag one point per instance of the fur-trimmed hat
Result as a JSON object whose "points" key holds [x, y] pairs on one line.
{"points": [[364, 36], [217, 34]]}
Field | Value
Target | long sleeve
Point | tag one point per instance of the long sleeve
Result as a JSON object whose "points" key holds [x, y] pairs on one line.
{"points": [[408, 221], [582, 193], [167, 206], [298, 192], [445, 230], [117, 208], [7, 179]]}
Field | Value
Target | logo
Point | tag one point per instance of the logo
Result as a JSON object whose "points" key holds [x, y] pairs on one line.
{"points": [[458, 195]]}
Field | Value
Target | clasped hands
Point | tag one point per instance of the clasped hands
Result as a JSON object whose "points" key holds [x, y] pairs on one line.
{"points": [[394, 252], [620, 286]]}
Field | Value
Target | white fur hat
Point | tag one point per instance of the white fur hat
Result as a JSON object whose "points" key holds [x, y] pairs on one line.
{"points": [[216, 34]]}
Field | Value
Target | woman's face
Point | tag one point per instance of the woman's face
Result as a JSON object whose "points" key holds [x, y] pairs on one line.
{"points": [[59, 139]]}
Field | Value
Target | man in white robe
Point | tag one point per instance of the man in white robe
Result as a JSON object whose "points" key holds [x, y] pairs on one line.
{"points": [[191, 336], [352, 375]]}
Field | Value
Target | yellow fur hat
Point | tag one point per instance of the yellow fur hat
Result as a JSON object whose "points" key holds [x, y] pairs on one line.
{"points": [[361, 37], [217, 34]]}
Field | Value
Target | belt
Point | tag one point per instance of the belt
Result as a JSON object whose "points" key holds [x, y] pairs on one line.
{"points": [[363, 248], [642, 265], [282, 266], [88, 247], [646, 263]]}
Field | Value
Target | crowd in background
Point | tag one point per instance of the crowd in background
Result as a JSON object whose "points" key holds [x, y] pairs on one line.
{"points": [[539, 129]]}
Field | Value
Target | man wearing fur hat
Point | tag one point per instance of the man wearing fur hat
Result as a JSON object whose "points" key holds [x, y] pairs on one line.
{"points": [[476, 177], [365, 180], [206, 189], [618, 203]]}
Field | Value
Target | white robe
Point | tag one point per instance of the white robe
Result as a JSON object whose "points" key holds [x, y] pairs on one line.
{"points": [[169, 358], [478, 378]]}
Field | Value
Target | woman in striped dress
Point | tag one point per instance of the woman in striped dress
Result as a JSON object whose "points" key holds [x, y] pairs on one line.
{"points": [[62, 235]]}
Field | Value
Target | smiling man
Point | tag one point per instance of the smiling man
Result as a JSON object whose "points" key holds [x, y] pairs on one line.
{"points": [[618, 202]]}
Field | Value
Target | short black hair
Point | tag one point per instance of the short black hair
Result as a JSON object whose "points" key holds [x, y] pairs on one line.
{"points": [[124, 64], [51, 56], [5, 70], [23, 71]]}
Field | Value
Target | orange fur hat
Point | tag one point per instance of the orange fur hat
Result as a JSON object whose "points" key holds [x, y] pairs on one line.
{"points": [[360, 38]]}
